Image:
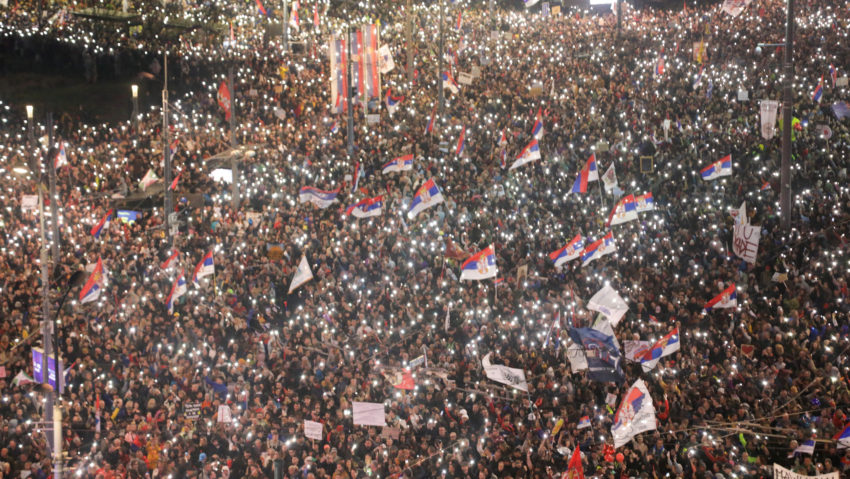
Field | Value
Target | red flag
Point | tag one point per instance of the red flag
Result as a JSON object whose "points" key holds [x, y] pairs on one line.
{"points": [[174, 183], [575, 469], [316, 15], [224, 99]]}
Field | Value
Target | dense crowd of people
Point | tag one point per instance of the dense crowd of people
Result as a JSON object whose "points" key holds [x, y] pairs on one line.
{"points": [[221, 385]]}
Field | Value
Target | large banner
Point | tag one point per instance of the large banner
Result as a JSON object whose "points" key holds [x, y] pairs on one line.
{"points": [[735, 7], [768, 118], [780, 472]]}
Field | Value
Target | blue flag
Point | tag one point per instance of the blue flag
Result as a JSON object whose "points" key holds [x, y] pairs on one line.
{"points": [[603, 356]]}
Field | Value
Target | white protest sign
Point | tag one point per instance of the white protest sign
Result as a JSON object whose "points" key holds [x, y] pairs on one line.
{"points": [[780, 472], [745, 242], [29, 202], [464, 78], [369, 414], [313, 430]]}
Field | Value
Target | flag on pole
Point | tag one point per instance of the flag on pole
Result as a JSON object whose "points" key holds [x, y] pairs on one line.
{"points": [[721, 167], [459, 22], [635, 415], [818, 93], [833, 74], [177, 289], [204, 268], [609, 178], [624, 211], [644, 202], [366, 207], [174, 255], [294, 21], [91, 290], [461, 142], [337, 53], [430, 126], [575, 469], [102, 224], [402, 163], [502, 374], [570, 251], [393, 101], [302, 275], [173, 185], [149, 179], [608, 302], [530, 153], [224, 99], [449, 82], [586, 175], [599, 248], [726, 299], [320, 198], [537, 130], [426, 196], [665, 346], [481, 265]]}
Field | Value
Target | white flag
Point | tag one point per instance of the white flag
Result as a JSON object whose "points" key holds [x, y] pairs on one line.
{"points": [[302, 275], [313, 430], [369, 414], [768, 118], [745, 242], [609, 178], [635, 415], [740, 214], [149, 179], [385, 59], [608, 302], [502, 374]]}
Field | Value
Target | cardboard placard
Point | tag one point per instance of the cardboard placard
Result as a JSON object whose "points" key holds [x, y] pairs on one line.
{"points": [[373, 119], [192, 410], [390, 432], [464, 78]]}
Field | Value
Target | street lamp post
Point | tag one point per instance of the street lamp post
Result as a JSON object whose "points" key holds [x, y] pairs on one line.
{"points": [[787, 104], [135, 90], [30, 136], [442, 96]]}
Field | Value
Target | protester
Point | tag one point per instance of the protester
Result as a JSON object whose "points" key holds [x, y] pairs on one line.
{"points": [[218, 381]]}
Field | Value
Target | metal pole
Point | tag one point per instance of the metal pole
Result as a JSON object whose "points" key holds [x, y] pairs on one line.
{"points": [[350, 84], [54, 207], [285, 28], [234, 161], [135, 90], [442, 97], [30, 134], [787, 118], [166, 157], [409, 44], [619, 17]]}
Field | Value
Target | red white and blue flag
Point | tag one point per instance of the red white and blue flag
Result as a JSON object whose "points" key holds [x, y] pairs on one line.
{"points": [[366, 207], [91, 290], [261, 8], [537, 129], [586, 175], [449, 82], [530, 153], [570, 251], [430, 126], [843, 438], [102, 224], [481, 265], [337, 53], [402, 163], [635, 415], [726, 299], [459, 23], [665, 346], [624, 211], [599, 248], [765, 186], [461, 142], [426, 196], [644, 202], [503, 139], [833, 74], [393, 101], [355, 180], [174, 255], [818, 93], [320, 198], [205, 268], [584, 422], [177, 289], [720, 168]]}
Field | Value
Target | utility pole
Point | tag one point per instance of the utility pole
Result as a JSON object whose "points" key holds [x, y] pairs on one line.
{"points": [[410, 44], [285, 28], [134, 89], [54, 206], [349, 86], [787, 117], [234, 161], [166, 158], [442, 96], [619, 17]]}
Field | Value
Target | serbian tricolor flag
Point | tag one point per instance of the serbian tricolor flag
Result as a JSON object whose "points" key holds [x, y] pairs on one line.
{"points": [[659, 67], [293, 17], [833, 74], [449, 82], [91, 290], [481, 265], [727, 299], [537, 130], [530, 153], [101, 225], [177, 289], [765, 186], [586, 175], [430, 127], [224, 98], [721, 167], [459, 20], [599, 248], [355, 180], [461, 142], [503, 140], [204, 268], [393, 101], [366, 207], [261, 8], [402, 163], [570, 251], [818, 93], [174, 255]]}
